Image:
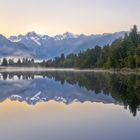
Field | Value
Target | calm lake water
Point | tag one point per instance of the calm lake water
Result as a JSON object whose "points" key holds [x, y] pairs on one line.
{"points": [[69, 106]]}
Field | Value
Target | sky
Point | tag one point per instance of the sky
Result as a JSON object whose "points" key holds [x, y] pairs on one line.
{"points": [[59, 16]]}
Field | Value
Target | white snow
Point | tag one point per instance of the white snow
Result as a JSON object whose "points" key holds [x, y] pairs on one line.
{"points": [[36, 96], [60, 99], [36, 40], [65, 36], [16, 40], [15, 97]]}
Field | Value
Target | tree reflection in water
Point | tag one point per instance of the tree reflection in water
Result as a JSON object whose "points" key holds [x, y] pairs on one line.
{"points": [[123, 88]]}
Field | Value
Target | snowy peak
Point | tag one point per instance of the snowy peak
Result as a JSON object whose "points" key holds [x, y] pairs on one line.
{"points": [[66, 35], [34, 37], [16, 38], [32, 34], [46, 47], [37, 37]]}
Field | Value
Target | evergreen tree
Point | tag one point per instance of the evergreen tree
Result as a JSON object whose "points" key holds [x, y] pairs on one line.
{"points": [[19, 62], [4, 62], [134, 36]]}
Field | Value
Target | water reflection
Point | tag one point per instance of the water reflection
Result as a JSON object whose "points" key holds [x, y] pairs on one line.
{"points": [[69, 87]]}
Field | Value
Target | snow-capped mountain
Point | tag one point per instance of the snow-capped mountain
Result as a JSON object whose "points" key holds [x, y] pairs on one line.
{"points": [[31, 36], [37, 38], [65, 36], [40, 90], [44, 46], [15, 49]]}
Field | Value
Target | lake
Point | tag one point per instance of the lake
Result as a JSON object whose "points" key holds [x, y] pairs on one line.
{"points": [[68, 105]]}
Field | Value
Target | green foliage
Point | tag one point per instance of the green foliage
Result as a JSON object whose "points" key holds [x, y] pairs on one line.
{"points": [[122, 53], [25, 62], [4, 62], [125, 89]]}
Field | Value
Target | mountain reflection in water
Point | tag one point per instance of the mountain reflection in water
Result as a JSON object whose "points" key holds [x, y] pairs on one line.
{"points": [[69, 87]]}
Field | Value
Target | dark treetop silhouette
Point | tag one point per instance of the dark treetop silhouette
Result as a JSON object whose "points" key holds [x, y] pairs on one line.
{"points": [[69, 87]]}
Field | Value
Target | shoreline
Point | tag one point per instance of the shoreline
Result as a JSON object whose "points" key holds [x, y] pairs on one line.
{"points": [[37, 69]]}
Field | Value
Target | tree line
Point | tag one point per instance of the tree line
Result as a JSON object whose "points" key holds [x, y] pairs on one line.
{"points": [[122, 53], [25, 62], [124, 89]]}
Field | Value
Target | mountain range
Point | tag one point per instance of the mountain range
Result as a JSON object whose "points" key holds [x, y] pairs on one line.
{"points": [[33, 45], [40, 89]]}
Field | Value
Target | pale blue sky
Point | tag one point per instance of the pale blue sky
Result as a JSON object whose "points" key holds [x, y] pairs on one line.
{"points": [[77, 16]]}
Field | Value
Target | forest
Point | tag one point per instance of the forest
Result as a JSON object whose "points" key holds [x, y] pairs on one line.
{"points": [[124, 89], [122, 53]]}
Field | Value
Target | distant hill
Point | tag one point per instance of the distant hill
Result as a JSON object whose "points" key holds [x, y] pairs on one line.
{"points": [[44, 47], [14, 49]]}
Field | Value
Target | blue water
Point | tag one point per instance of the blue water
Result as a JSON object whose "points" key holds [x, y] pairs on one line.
{"points": [[69, 106]]}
